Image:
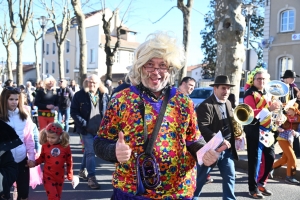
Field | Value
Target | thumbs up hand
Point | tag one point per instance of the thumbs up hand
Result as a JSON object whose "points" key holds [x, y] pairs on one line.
{"points": [[123, 151]]}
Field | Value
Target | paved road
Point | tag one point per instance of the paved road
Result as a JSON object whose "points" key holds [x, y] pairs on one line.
{"points": [[213, 191], [281, 190]]}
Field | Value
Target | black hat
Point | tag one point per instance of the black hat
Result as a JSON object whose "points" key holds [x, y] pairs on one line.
{"points": [[8, 137], [289, 74], [222, 80]]}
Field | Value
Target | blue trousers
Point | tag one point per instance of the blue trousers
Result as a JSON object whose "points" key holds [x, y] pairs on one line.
{"points": [[65, 113], [89, 154], [227, 170]]}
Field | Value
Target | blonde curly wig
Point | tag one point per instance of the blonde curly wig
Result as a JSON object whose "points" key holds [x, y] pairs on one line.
{"points": [[157, 45]]}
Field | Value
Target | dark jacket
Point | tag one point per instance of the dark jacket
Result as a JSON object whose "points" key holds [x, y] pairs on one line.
{"points": [[65, 96], [8, 171], [9, 139], [210, 120], [43, 99], [81, 109]]}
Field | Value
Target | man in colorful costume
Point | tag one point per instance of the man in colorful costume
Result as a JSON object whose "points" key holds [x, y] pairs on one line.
{"points": [[124, 127], [259, 137]]}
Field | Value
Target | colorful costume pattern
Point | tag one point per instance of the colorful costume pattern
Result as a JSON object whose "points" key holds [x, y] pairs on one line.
{"points": [[259, 139], [288, 157], [54, 157], [179, 129]]}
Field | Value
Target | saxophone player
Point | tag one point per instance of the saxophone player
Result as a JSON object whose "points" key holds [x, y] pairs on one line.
{"points": [[215, 114]]}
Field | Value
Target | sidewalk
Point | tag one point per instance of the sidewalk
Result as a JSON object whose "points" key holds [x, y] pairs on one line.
{"points": [[280, 172]]}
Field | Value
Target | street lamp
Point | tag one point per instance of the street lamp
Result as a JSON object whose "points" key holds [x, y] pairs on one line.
{"points": [[43, 22], [249, 8]]}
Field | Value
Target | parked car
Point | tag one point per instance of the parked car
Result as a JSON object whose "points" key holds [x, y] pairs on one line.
{"points": [[202, 93]]}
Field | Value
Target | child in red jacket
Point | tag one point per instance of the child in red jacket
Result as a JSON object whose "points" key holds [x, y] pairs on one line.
{"points": [[55, 153]]}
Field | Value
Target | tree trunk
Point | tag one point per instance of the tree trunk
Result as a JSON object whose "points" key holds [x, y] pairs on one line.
{"points": [[80, 17], [37, 67], [109, 63], [186, 13], [60, 51], [19, 71], [230, 26], [109, 54], [8, 63]]}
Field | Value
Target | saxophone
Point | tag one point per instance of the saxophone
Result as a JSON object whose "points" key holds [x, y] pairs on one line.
{"points": [[237, 128], [242, 115]]}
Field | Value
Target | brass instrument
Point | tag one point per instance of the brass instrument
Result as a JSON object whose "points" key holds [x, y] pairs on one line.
{"points": [[242, 115], [277, 89]]}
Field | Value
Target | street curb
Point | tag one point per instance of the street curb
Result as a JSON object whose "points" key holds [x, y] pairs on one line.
{"points": [[279, 172]]}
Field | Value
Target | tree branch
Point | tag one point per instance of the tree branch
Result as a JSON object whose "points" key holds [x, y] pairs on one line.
{"points": [[164, 15]]}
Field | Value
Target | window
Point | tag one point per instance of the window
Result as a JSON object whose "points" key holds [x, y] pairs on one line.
{"points": [[92, 55], [53, 47], [287, 21], [68, 46], [284, 64], [67, 67], [117, 57], [47, 49], [53, 67], [47, 67], [131, 54]]}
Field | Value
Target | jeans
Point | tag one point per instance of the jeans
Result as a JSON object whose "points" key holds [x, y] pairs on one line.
{"points": [[89, 154], [227, 170], [65, 113], [83, 162]]}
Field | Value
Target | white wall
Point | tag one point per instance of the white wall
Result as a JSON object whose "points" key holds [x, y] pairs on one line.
{"points": [[93, 37], [197, 74]]}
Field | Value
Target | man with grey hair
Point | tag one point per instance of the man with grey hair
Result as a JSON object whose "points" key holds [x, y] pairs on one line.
{"points": [[136, 136], [87, 109]]}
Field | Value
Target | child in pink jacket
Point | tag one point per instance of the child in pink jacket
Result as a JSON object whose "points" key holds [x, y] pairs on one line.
{"points": [[12, 112]]}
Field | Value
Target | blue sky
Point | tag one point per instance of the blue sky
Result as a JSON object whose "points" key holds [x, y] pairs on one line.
{"points": [[140, 19]]}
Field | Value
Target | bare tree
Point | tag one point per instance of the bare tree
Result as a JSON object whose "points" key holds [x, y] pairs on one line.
{"points": [[186, 13], [37, 36], [110, 53], [60, 31], [230, 26], [24, 16], [5, 35], [80, 17]]}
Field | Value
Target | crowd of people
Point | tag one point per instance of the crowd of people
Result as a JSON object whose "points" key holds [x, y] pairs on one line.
{"points": [[147, 127]]}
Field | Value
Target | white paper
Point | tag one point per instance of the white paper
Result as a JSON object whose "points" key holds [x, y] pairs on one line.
{"points": [[214, 143], [75, 181], [263, 114]]}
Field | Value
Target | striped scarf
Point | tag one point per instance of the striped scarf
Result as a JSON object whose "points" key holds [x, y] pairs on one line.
{"points": [[261, 103]]}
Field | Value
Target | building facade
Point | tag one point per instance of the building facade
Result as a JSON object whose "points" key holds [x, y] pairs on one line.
{"points": [[96, 56], [282, 37]]}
